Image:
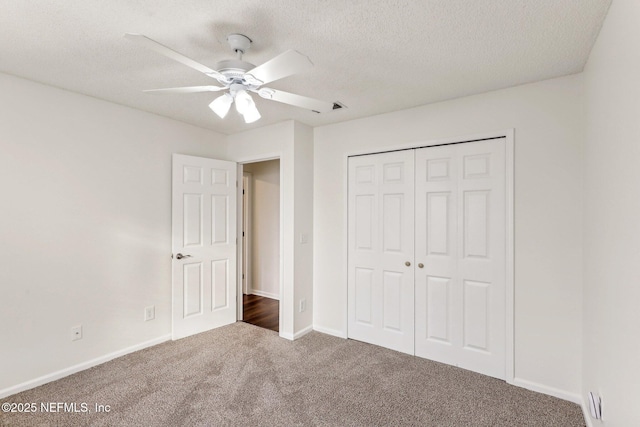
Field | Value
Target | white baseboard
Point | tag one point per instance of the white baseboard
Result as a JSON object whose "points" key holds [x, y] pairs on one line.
{"points": [[286, 335], [265, 294], [551, 391], [303, 332], [292, 337], [560, 394], [329, 331], [80, 367]]}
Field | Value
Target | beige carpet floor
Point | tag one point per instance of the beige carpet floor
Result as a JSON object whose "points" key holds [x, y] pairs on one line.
{"points": [[242, 375]]}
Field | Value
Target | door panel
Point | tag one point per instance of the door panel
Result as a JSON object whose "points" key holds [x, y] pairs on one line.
{"points": [[392, 217], [438, 223], [392, 300], [219, 276], [364, 296], [364, 214], [193, 288], [220, 219], [380, 285], [203, 227], [476, 315], [438, 304], [192, 220], [476, 224]]}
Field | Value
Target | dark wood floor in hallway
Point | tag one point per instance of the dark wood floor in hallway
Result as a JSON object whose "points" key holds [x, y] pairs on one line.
{"points": [[261, 311]]}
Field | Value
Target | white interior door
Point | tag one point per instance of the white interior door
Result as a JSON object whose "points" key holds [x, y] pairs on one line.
{"points": [[204, 244], [381, 275], [461, 244]]}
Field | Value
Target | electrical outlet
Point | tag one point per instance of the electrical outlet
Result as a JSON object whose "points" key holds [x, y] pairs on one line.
{"points": [[76, 333], [303, 305], [149, 313]]}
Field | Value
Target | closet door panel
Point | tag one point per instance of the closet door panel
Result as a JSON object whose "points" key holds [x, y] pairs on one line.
{"points": [[380, 284], [482, 263], [460, 241], [437, 287]]}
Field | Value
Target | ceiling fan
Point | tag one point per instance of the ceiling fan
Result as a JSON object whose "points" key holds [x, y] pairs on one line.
{"points": [[237, 78]]}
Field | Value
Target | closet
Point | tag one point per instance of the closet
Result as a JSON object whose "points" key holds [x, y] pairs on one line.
{"points": [[427, 253]]}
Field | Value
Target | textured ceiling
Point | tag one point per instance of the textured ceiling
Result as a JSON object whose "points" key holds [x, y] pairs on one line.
{"points": [[374, 56]]}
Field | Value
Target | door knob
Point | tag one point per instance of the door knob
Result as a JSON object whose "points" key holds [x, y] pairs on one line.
{"points": [[408, 264], [421, 265], [180, 256]]}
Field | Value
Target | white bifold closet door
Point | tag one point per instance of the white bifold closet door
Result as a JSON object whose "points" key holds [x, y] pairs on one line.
{"points": [[380, 244], [461, 242], [455, 286]]}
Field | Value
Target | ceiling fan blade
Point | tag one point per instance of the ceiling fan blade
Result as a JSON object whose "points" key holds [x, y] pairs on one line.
{"points": [[187, 89], [283, 65], [296, 100], [172, 54]]}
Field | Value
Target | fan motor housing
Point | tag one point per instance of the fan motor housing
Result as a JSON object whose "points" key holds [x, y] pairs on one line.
{"points": [[234, 68]]}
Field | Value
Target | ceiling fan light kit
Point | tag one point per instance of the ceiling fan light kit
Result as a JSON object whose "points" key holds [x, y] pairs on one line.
{"points": [[239, 77], [221, 105], [246, 106]]}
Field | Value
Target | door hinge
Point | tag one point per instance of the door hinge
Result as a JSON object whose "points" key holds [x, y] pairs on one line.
{"points": [[243, 234], [243, 191]]}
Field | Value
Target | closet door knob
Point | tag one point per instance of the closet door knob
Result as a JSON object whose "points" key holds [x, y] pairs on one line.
{"points": [[421, 265], [408, 264]]}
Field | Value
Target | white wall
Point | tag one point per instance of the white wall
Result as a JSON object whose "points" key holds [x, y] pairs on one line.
{"points": [[612, 220], [549, 130], [85, 225], [264, 278], [303, 193]]}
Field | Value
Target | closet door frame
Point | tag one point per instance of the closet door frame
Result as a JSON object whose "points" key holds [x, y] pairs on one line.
{"points": [[509, 142]]}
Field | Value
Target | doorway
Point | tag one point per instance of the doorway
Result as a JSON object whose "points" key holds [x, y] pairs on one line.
{"points": [[261, 244]]}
